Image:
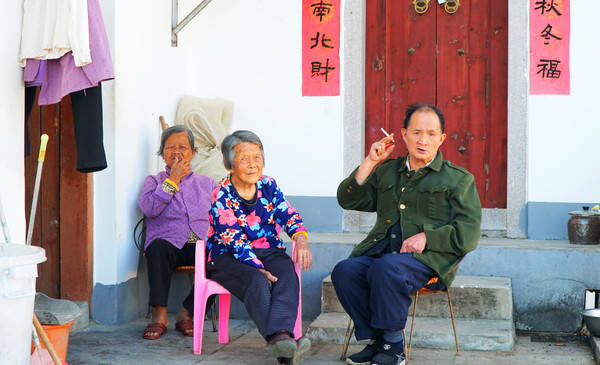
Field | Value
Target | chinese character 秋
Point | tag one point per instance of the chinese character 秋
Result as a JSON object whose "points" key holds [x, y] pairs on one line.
{"points": [[319, 70], [546, 6], [549, 69], [547, 33], [324, 41], [321, 9]]}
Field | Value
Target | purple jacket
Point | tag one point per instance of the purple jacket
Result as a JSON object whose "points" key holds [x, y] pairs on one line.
{"points": [[62, 77], [172, 216]]}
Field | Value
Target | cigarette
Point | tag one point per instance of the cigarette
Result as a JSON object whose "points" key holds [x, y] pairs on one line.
{"points": [[390, 143]]}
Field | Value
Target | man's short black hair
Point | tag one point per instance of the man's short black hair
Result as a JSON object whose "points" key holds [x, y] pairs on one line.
{"points": [[413, 108]]}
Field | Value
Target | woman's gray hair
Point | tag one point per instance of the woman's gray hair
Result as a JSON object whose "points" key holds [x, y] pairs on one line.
{"points": [[235, 138], [173, 130]]}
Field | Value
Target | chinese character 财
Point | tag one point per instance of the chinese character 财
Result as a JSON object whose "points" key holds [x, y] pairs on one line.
{"points": [[321, 9], [547, 33], [324, 41], [546, 6], [318, 69], [549, 69]]}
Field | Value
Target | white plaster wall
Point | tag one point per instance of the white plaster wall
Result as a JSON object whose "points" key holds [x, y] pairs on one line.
{"points": [[12, 191], [245, 51], [564, 131]]}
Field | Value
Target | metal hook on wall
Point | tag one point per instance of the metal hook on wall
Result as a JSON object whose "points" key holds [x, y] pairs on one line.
{"points": [[451, 6], [421, 6]]}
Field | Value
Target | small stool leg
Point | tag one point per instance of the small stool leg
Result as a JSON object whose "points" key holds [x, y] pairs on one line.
{"points": [[453, 323], [412, 325], [349, 331]]}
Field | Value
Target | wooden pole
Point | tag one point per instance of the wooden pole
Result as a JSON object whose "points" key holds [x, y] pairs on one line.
{"points": [[45, 340]]}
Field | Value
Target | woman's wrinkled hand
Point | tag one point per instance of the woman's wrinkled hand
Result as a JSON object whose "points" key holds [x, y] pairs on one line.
{"points": [[302, 255], [272, 278], [179, 170]]}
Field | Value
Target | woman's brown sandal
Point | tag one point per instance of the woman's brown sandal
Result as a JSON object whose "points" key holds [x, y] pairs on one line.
{"points": [[154, 331], [185, 326]]}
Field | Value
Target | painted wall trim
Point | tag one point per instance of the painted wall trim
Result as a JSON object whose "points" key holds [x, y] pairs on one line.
{"points": [[548, 220], [319, 213]]}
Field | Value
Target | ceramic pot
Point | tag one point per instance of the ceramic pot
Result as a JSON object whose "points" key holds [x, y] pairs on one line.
{"points": [[584, 227]]}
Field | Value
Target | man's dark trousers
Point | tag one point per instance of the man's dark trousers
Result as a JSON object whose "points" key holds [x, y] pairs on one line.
{"points": [[375, 292]]}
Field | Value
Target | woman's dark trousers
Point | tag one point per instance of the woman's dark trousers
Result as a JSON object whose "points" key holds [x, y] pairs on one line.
{"points": [[272, 306], [162, 259]]}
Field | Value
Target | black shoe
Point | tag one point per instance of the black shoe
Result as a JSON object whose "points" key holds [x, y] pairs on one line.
{"points": [[389, 355], [365, 356]]}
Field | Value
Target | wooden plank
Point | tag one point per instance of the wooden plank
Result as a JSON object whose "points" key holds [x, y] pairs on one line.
{"points": [[375, 70], [464, 95], [75, 216], [498, 107], [412, 75]]}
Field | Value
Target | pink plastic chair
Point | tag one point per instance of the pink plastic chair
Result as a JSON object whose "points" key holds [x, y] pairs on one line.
{"points": [[203, 288]]}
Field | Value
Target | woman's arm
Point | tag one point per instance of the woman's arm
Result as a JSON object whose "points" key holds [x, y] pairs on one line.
{"points": [[153, 199]]}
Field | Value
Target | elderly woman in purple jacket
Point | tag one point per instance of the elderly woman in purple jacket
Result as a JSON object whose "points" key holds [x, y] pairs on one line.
{"points": [[176, 203]]}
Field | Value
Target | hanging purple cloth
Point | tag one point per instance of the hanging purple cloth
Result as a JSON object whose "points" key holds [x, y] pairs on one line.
{"points": [[62, 77], [34, 76]]}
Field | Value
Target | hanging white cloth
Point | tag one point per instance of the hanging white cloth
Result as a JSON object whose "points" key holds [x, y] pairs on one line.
{"points": [[210, 122], [52, 28]]}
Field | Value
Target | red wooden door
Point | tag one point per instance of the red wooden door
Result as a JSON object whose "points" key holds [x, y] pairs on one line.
{"points": [[457, 62], [63, 223]]}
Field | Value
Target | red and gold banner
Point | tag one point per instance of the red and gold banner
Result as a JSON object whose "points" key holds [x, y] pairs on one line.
{"points": [[549, 36], [321, 47]]}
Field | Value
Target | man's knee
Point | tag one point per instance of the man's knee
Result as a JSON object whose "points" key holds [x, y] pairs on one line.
{"points": [[342, 271]]}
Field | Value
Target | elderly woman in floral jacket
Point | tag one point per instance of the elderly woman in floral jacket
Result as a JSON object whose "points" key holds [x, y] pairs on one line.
{"points": [[247, 256]]}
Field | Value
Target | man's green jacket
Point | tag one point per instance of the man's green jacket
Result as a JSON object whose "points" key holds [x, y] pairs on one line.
{"points": [[440, 200]]}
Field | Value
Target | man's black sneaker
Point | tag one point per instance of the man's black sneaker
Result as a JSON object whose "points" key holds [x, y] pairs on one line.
{"points": [[365, 356], [388, 355]]}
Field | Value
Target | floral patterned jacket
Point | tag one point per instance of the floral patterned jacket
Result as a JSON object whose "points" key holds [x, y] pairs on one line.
{"points": [[239, 229]]}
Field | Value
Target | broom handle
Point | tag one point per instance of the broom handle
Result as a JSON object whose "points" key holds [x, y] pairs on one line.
{"points": [[45, 340], [36, 189]]}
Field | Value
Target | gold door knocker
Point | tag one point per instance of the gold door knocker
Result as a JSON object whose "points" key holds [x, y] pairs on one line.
{"points": [[451, 6], [421, 6]]}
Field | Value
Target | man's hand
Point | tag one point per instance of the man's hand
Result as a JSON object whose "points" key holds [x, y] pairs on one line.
{"points": [[302, 255], [179, 170], [272, 278], [379, 151], [414, 243]]}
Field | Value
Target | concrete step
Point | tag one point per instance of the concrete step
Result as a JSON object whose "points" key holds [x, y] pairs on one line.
{"points": [[473, 297], [429, 332]]}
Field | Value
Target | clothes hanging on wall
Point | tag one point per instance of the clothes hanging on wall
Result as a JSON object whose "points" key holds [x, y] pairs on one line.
{"points": [[51, 28], [87, 119], [62, 76]]}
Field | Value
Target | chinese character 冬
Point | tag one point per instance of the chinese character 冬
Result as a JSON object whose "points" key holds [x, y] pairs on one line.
{"points": [[549, 69], [547, 33], [546, 6], [324, 41], [321, 9], [319, 70]]}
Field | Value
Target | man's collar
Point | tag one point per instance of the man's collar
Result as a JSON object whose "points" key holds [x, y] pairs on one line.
{"points": [[435, 164]]}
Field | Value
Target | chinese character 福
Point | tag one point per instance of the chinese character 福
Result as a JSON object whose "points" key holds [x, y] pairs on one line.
{"points": [[549, 69]]}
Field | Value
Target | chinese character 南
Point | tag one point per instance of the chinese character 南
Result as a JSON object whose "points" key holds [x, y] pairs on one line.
{"points": [[549, 69], [324, 41], [321, 9], [319, 70], [547, 34], [546, 6]]}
